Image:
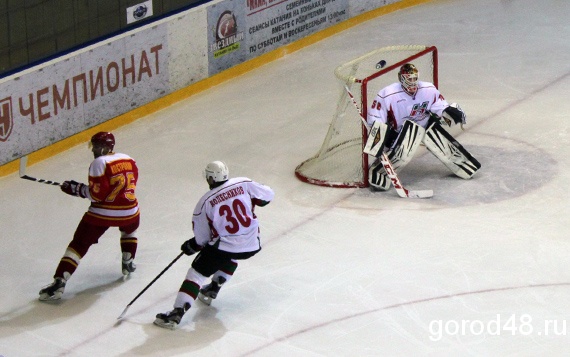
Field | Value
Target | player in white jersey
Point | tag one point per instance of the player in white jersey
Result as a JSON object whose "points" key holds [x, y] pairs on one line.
{"points": [[410, 112], [225, 230]]}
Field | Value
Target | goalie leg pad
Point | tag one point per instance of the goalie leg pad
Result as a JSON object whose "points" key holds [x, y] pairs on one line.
{"points": [[453, 155], [404, 149], [377, 177], [407, 144]]}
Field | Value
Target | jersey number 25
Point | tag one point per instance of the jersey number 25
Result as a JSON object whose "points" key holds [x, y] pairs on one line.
{"points": [[122, 182]]}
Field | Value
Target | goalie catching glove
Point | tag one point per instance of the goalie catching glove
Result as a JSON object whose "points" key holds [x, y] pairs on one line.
{"points": [[454, 114], [75, 188], [190, 246]]}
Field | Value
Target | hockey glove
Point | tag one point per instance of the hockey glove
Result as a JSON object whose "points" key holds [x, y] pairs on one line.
{"points": [[190, 246], [453, 113], [74, 188]]}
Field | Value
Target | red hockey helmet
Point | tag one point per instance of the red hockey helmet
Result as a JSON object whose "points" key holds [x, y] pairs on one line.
{"points": [[102, 143], [408, 76]]}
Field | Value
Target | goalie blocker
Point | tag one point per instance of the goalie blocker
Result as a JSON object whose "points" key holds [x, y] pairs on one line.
{"points": [[436, 139]]}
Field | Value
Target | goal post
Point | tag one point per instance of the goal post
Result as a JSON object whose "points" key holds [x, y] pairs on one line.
{"points": [[340, 161]]}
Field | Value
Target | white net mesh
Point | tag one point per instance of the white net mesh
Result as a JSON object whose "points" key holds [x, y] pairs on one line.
{"points": [[340, 162]]}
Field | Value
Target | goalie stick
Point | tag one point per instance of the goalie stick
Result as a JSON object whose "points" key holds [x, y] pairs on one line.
{"points": [[400, 189], [23, 163]]}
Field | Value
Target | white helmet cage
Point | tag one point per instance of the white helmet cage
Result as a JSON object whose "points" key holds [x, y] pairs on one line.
{"points": [[217, 170]]}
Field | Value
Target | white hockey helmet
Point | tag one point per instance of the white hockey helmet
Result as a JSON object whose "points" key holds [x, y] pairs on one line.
{"points": [[217, 170]]}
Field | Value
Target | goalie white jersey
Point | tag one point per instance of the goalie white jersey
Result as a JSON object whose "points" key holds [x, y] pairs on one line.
{"points": [[393, 106]]}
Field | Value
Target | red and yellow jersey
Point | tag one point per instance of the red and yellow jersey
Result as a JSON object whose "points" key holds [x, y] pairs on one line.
{"points": [[112, 183]]}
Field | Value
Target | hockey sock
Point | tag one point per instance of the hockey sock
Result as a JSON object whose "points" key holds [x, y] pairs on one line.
{"points": [[129, 243], [68, 264], [190, 288]]}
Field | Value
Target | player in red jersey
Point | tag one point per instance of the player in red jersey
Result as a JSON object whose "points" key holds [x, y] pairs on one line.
{"points": [[112, 182]]}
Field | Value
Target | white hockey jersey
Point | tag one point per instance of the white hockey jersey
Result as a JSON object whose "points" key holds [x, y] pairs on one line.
{"points": [[393, 106], [225, 214]]}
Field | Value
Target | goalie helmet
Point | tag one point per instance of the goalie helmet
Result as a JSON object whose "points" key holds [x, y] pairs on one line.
{"points": [[217, 170], [408, 77], [102, 143]]}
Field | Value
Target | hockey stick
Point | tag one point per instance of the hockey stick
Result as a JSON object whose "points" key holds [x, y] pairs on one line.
{"points": [[148, 286], [23, 163], [400, 189]]}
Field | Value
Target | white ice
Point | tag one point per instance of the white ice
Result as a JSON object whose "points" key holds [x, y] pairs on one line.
{"points": [[343, 272]]}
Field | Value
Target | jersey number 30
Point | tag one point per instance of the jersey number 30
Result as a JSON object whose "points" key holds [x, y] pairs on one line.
{"points": [[235, 215]]}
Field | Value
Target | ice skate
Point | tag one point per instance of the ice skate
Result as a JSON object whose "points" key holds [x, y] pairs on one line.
{"points": [[128, 264], [53, 291], [170, 319], [209, 292]]}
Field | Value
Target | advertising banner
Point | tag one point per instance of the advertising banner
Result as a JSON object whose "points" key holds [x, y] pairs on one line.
{"points": [[239, 30], [226, 35], [56, 101], [139, 11]]}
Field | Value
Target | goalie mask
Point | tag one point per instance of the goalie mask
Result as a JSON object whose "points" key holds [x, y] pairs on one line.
{"points": [[102, 143], [408, 77], [216, 170]]}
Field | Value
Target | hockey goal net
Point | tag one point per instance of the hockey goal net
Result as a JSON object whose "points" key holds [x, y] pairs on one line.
{"points": [[340, 161]]}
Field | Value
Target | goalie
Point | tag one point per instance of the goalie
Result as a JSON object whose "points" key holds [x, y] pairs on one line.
{"points": [[407, 113]]}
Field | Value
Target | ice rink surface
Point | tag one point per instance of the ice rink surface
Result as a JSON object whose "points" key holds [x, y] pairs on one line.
{"points": [[481, 269]]}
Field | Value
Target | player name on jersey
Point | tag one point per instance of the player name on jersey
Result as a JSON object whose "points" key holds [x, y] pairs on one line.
{"points": [[227, 195], [121, 167]]}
